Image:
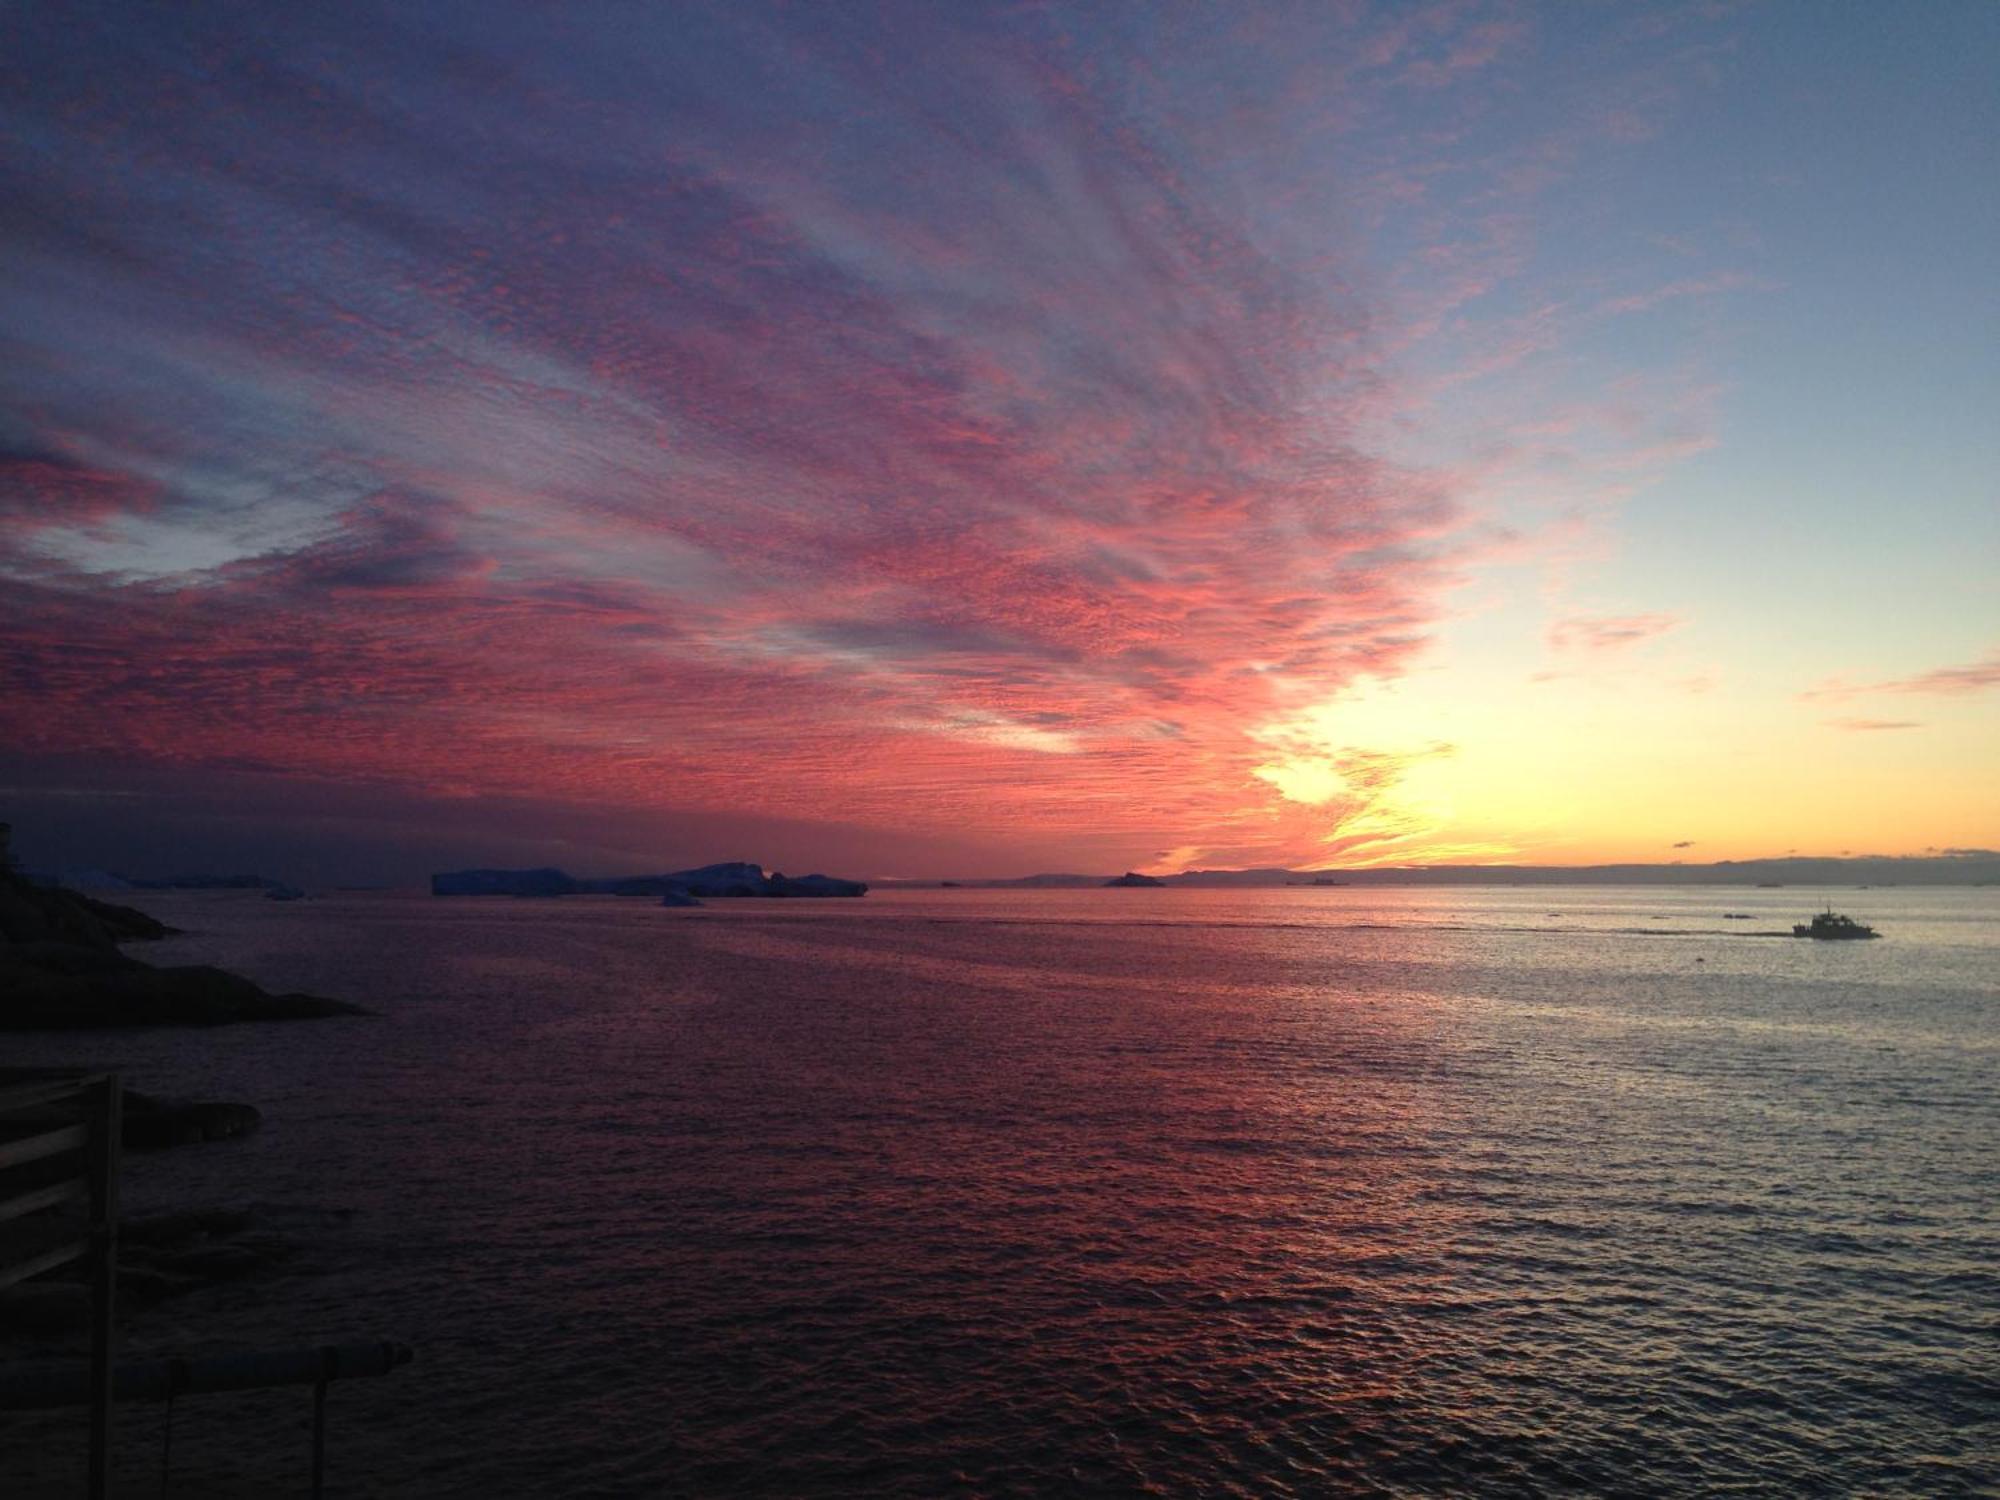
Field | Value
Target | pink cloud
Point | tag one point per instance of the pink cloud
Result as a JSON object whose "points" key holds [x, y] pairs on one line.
{"points": [[962, 454], [1591, 633], [1973, 677], [1700, 286]]}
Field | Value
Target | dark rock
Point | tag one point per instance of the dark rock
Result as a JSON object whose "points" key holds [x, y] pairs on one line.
{"points": [[145, 1124], [202, 1246], [60, 968], [31, 913], [221, 1120], [171, 1253], [74, 994], [672, 897], [153, 1124], [166, 1255], [53, 957]]}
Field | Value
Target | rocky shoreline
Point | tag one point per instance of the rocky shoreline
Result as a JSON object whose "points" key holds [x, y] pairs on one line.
{"points": [[62, 968], [168, 1255]]}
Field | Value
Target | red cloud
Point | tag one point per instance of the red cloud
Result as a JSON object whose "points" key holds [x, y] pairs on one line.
{"points": [[833, 438]]}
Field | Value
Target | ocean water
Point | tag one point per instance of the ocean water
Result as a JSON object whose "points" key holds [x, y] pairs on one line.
{"points": [[1283, 1192]]}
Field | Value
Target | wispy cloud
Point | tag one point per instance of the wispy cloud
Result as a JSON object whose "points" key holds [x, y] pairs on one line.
{"points": [[1703, 286], [912, 422], [1873, 724], [1973, 677], [1594, 633]]}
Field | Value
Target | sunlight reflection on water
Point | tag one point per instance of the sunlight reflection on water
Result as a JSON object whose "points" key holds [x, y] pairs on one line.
{"points": [[1264, 1192]]}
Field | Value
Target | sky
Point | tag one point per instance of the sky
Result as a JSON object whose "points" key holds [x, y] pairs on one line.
{"points": [[938, 439]]}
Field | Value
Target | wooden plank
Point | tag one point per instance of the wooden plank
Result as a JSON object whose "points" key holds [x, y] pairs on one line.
{"points": [[48, 1143], [25, 1088], [20, 1096], [43, 1197], [56, 1253]]}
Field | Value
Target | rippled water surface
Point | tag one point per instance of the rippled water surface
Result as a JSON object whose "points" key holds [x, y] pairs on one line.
{"points": [[1274, 1192]]}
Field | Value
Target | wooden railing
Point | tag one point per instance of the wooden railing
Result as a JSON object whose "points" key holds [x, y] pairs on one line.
{"points": [[59, 1135], [59, 1140]]}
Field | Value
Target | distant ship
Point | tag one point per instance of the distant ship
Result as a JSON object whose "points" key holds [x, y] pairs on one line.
{"points": [[1830, 924]]}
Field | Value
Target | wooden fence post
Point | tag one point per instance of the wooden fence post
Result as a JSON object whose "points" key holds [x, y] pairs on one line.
{"points": [[105, 1123]]}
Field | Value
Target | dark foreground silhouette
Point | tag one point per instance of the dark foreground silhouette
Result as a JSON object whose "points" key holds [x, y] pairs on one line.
{"points": [[60, 967]]}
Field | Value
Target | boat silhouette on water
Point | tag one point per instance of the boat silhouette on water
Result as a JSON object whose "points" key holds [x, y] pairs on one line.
{"points": [[1831, 924]]}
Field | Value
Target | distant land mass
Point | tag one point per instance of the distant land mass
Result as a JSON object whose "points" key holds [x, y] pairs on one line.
{"points": [[111, 880], [735, 878], [1956, 867]]}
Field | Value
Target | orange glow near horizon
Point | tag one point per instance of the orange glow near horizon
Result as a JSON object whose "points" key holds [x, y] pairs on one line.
{"points": [[1350, 470]]}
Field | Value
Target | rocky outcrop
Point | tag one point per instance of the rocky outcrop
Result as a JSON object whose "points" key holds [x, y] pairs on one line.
{"points": [[60, 968], [150, 1124], [1133, 878], [146, 1123], [31, 913], [61, 986], [167, 1255]]}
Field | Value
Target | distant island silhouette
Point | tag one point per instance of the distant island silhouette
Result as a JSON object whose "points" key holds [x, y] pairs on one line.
{"points": [[676, 888]]}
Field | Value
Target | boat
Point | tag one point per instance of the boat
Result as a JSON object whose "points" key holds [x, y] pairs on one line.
{"points": [[1830, 924]]}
